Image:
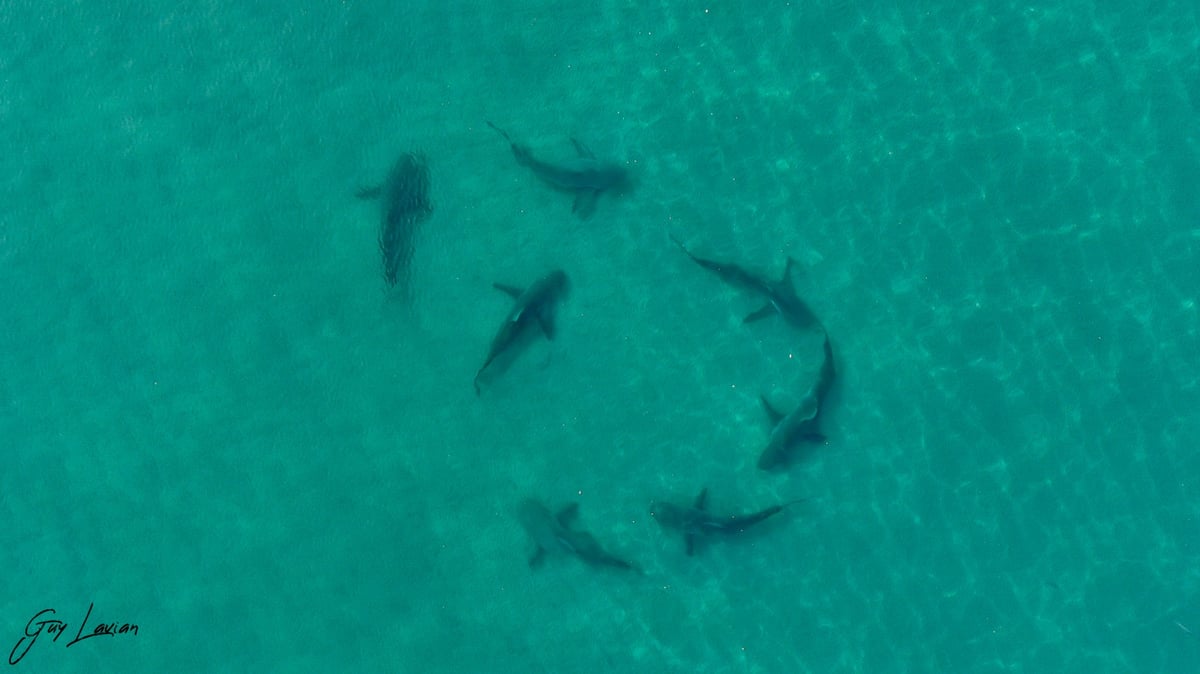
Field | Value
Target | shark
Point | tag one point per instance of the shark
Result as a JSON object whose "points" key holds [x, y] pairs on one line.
{"points": [[584, 174], [553, 532], [780, 296], [801, 424], [404, 204], [697, 522], [531, 306]]}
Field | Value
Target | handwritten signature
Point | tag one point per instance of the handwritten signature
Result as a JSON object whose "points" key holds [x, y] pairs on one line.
{"points": [[37, 625]]}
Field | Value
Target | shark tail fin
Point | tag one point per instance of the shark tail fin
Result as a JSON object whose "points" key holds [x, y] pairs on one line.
{"points": [[700, 499], [498, 130], [369, 192], [679, 242], [685, 249], [519, 151]]}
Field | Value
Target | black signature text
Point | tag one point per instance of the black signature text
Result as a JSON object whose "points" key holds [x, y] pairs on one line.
{"points": [[44, 622]]}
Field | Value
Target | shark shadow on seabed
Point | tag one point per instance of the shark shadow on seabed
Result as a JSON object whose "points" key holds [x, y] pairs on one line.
{"points": [[555, 532]]}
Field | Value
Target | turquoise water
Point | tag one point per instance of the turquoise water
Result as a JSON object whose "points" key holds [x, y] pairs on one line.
{"points": [[218, 426]]}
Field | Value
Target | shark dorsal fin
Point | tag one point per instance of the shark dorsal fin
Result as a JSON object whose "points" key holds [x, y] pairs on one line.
{"points": [[773, 414], [566, 514], [512, 291], [700, 499]]}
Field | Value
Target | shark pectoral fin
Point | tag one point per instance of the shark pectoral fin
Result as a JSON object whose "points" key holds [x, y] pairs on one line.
{"points": [[759, 314], [512, 291], [773, 414], [369, 192], [612, 560], [546, 321], [809, 432], [567, 514], [585, 202], [689, 542], [480, 371], [700, 499], [787, 270], [538, 556], [582, 149]]}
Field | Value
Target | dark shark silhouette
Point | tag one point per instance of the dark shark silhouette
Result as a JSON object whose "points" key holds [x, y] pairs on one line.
{"points": [[781, 297], [585, 175], [552, 532], [404, 204], [696, 522], [803, 423], [532, 305]]}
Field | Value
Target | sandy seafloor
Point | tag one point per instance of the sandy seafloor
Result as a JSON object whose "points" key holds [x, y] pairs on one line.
{"points": [[216, 424]]}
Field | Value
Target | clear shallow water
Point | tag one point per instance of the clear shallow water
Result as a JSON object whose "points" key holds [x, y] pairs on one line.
{"points": [[218, 426]]}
